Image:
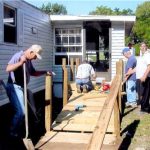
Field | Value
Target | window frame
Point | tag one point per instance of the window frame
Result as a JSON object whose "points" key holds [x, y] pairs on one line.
{"points": [[10, 25], [68, 31]]}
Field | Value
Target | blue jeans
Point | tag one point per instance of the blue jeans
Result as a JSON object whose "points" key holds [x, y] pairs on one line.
{"points": [[131, 91], [87, 82], [15, 94]]}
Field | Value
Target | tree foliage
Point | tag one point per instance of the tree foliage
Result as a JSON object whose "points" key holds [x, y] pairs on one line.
{"points": [[54, 9], [141, 28], [104, 10]]}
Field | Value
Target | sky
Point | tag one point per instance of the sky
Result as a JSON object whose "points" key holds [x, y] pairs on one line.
{"points": [[83, 7]]}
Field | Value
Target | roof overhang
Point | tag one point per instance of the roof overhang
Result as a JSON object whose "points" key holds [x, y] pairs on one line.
{"points": [[127, 20], [55, 18]]}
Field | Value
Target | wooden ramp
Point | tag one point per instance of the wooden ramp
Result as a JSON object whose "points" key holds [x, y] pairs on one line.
{"points": [[94, 125], [73, 128]]}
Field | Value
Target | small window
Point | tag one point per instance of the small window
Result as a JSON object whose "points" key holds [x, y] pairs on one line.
{"points": [[10, 27]]}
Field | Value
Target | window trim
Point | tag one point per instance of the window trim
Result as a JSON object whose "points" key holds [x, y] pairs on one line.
{"points": [[68, 54], [10, 25]]}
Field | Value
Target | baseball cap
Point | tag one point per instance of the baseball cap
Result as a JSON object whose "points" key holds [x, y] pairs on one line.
{"points": [[126, 49], [37, 49]]}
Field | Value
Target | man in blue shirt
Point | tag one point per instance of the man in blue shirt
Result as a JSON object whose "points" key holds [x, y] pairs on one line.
{"points": [[130, 79]]}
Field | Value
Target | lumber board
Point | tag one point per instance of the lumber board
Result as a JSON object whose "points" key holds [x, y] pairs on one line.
{"points": [[89, 102], [91, 108], [75, 127], [57, 140], [103, 121]]}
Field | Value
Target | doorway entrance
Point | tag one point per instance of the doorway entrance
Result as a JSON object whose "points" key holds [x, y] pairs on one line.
{"points": [[97, 46]]}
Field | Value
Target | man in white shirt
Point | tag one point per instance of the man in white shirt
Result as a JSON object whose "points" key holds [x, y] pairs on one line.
{"points": [[83, 78], [143, 77]]}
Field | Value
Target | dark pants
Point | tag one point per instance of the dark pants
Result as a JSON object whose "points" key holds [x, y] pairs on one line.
{"points": [[15, 94], [86, 82], [146, 95], [139, 88]]}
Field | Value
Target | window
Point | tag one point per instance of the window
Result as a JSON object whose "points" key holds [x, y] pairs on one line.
{"points": [[67, 43], [10, 27], [66, 40]]}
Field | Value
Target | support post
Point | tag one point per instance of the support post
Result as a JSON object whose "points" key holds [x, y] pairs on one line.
{"points": [[65, 82], [119, 72], [72, 69], [65, 87], [116, 119], [48, 102], [77, 63]]}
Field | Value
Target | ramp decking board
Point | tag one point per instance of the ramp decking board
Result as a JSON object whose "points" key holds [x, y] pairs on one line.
{"points": [[72, 130]]}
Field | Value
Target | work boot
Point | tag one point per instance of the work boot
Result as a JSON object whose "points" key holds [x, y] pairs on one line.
{"points": [[85, 90], [78, 89]]}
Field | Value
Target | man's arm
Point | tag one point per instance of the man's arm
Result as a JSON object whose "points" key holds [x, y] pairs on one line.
{"points": [[13, 67], [130, 71], [145, 74], [38, 73]]}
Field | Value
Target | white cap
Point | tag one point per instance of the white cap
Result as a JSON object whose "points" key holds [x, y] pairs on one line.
{"points": [[37, 49]]}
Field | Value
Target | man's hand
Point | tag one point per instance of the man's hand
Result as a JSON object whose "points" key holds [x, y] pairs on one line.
{"points": [[23, 59], [143, 79], [50, 73]]}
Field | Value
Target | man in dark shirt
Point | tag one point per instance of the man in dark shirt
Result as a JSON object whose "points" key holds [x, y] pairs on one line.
{"points": [[15, 83]]}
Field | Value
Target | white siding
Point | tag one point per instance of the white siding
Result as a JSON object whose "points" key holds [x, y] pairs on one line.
{"points": [[28, 17], [118, 42]]}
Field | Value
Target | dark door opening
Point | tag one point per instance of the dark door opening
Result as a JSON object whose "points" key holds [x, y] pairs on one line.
{"points": [[97, 44]]}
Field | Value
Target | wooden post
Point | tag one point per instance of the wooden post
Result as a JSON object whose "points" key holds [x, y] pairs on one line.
{"points": [[116, 119], [77, 63], [72, 69], [48, 102], [119, 72], [118, 68], [65, 82], [64, 63], [65, 87], [121, 69]]}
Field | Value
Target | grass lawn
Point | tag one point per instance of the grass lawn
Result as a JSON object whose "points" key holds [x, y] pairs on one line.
{"points": [[135, 130]]}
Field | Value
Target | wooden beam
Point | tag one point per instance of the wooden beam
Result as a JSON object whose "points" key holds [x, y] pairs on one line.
{"points": [[65, 87], [102, 124], [77, 63], [116, 119], [71, 69], [48, 102], [64, 63]]}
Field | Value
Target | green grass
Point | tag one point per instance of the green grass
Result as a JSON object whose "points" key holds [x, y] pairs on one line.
{"points": [[141, 131]]}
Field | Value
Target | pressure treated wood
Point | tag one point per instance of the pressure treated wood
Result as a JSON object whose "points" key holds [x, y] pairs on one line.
{"points": [[65, 87], [99, 133], [88, 121], [48, 102], [71, 69], [83, 120]]}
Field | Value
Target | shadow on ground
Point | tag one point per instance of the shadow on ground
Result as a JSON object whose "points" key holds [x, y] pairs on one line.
{"points": [[128, 133]]}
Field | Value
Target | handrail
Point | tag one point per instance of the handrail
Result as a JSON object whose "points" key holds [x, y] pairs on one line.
{"points": [[97, 138]]}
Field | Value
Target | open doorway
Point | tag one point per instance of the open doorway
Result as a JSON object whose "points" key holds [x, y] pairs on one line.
{"points": [[97, 46]]}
